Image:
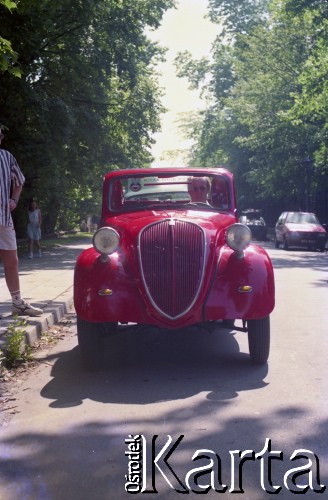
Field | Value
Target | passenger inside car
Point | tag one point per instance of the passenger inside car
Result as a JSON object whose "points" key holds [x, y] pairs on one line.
{"points": [[219, 195]]}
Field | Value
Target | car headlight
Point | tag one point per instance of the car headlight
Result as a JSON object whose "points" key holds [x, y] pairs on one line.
{"points": [[106, 240], [238, 237]]}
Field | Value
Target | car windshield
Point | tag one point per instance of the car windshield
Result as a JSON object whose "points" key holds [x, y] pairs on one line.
{"points": [[302, 218], [252, 218], [192, 192]]}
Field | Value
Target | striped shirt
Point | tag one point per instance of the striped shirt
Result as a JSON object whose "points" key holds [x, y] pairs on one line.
{"points": [[10, 174]]}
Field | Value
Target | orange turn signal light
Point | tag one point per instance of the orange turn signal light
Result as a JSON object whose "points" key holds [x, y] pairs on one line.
{"points": [[245, 289], [105, 292]]}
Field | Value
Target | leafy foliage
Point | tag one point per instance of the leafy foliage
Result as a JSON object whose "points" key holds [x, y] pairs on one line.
{"points": [[15, 349], [86, 102], [268, 117], [238, 16], [8, 57]]}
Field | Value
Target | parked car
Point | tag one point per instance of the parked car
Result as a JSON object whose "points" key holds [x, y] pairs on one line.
{"points": [[161, 258], [300, 229], [254, 220]]}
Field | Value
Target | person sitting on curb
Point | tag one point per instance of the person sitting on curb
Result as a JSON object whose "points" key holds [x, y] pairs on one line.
{"points": [[11, 183]]}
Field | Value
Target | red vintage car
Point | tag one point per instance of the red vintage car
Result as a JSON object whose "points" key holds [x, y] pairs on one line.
{"points": [[170, 252]]}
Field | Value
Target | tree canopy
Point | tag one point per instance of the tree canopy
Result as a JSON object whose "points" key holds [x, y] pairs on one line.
{"points": [[8, 56], [85, 101], [268, 117]]}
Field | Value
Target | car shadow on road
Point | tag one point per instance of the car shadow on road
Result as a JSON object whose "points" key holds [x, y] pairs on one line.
{"points": [[148, 365]]}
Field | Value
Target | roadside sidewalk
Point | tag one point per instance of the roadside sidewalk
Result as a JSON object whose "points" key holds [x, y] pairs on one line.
{"points": [[45, 282]]}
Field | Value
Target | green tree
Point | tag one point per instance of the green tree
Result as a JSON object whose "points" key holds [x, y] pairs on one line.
{"points": [[237, 16], [8, 57], [311, 95], [87, 100], [267, 121]]}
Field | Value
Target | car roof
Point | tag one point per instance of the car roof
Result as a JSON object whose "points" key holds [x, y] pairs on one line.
{"points": [[301, 213], [169, 170], [296, 212]]}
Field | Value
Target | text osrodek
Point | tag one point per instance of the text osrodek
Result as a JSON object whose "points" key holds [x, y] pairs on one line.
{"points": [[301, 476]]}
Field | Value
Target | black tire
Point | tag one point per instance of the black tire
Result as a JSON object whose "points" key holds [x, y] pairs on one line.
{"points": [[228, 323], [285, 244], [92, 342], [276, 243], [259, 339]]}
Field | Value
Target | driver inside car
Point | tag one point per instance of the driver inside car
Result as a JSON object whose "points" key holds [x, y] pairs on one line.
{"points": [[198, 189]]}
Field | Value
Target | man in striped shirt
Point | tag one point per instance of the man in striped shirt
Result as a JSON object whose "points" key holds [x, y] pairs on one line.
{"points": [[11, 183]]}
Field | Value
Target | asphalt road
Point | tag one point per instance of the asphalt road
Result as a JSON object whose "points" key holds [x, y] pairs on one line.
{"points": [[66, 439]]}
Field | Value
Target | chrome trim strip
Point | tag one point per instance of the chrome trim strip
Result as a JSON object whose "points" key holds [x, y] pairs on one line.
{"points": [[202, 271]]}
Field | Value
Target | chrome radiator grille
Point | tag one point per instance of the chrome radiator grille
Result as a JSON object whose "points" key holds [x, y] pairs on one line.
{"points": [[172, 259]]}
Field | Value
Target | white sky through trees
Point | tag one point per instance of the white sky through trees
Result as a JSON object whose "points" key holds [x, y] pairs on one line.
{"points": [[183, 28]]}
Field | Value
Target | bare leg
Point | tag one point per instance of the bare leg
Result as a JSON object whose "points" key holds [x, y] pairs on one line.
{"points": [[10, 264], [19, 306]]}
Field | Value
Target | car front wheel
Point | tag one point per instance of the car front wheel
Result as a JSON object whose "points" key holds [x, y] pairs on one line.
{"points": [[92, 342], [259, 339]]}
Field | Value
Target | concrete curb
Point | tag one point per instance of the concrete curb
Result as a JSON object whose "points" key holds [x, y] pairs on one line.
{"points": [[36, 326], [46, 283], [52, 315]]}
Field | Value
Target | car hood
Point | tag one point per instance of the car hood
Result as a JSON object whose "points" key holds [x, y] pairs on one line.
{"points": [[136, 221], [306, 227]]}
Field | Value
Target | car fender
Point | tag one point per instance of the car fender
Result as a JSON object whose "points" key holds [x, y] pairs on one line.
{"points": [[103, 290], [243, 285]]}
